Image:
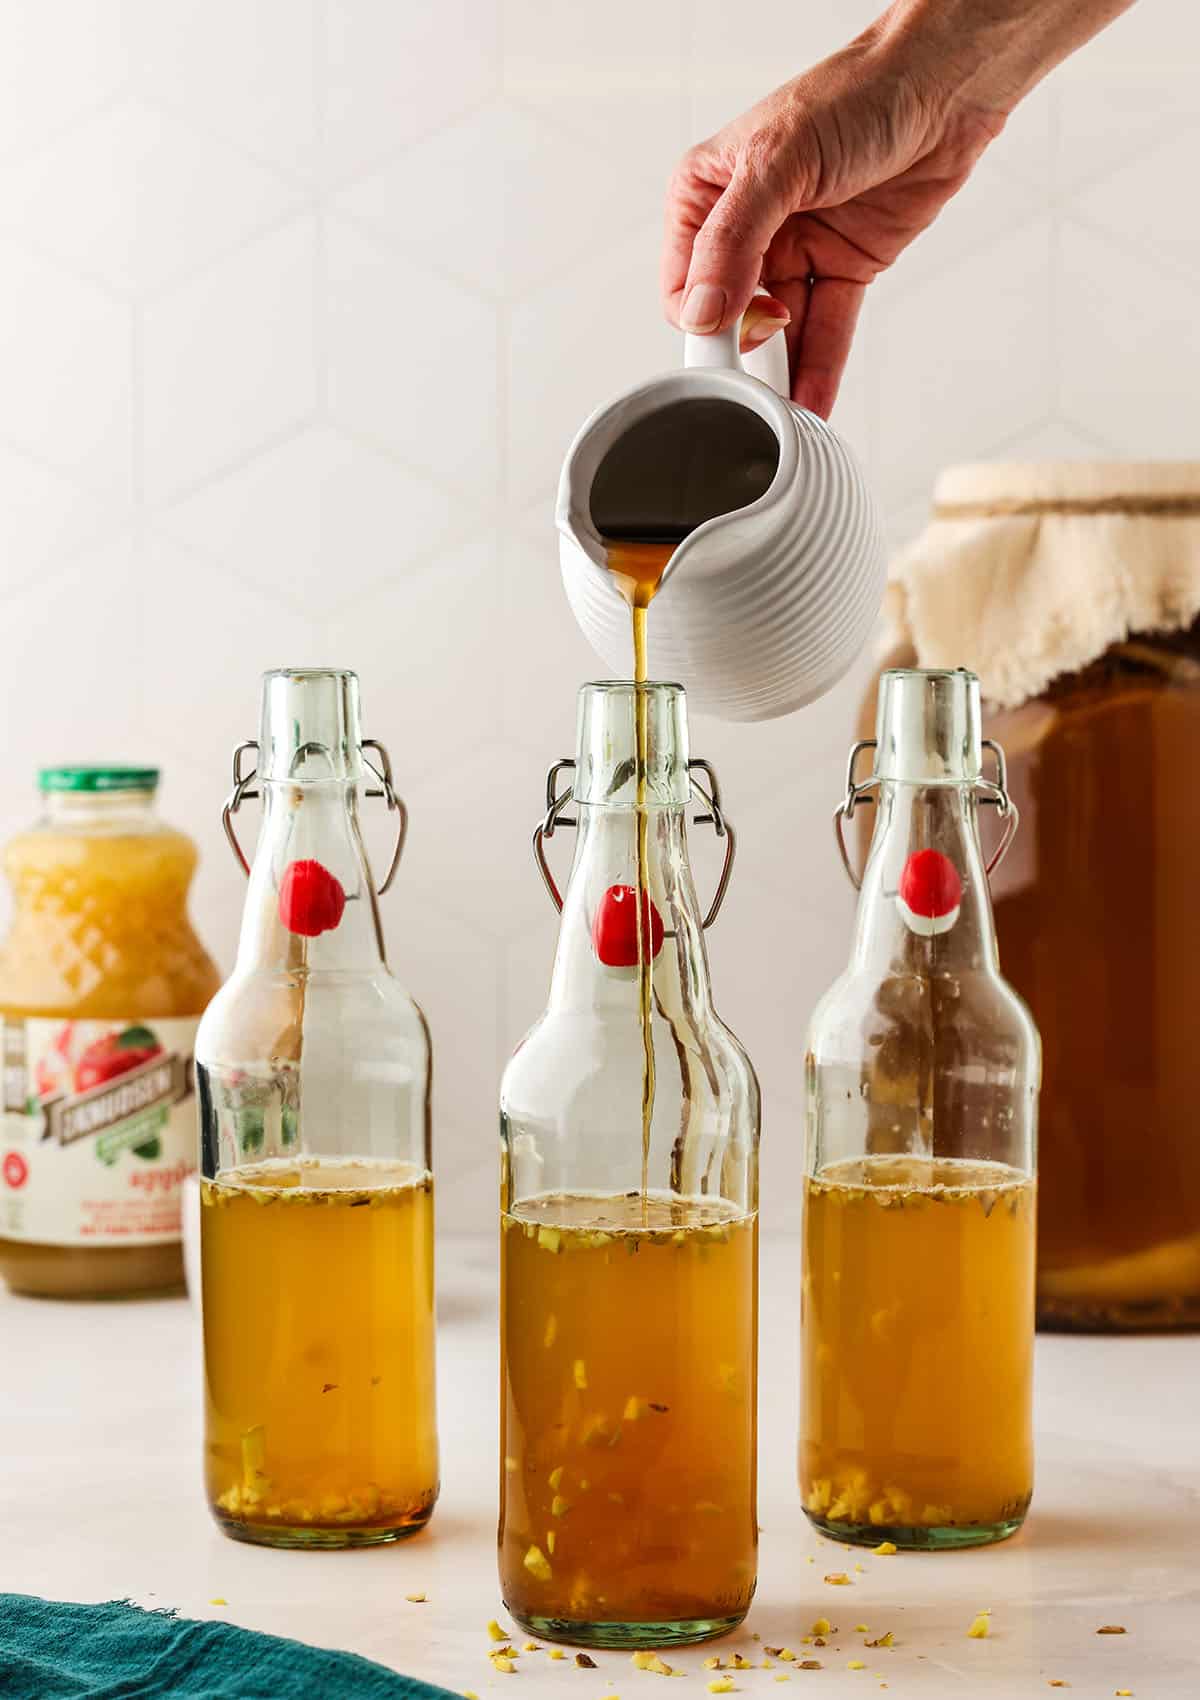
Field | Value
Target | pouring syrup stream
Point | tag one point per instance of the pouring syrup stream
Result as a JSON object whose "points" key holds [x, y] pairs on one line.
{"points": [[637, 568]]}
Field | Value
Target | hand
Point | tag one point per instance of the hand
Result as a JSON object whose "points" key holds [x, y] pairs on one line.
{"points": [[818, 188]]}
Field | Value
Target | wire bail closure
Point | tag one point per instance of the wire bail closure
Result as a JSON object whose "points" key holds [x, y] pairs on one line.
{"points": [[243, 792], [714, 815], [993, 793]]}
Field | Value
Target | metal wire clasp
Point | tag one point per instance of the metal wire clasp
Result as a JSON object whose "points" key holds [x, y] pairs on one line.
{"points": [[243, 791], [710, 796], [993, 793]]}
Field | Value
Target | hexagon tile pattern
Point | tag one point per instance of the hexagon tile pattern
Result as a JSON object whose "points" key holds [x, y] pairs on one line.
{"points": [[300, 304]]}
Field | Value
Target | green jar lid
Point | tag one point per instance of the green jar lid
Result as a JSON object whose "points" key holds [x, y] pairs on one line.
{"points": [[97, 778]]}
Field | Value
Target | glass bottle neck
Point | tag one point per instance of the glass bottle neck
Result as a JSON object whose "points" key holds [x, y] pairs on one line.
{"points": [[314, 822], [890, 937], [606, 856]]}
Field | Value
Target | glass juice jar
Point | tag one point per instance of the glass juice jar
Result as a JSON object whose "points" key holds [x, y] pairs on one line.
{"points": [[102, 985], [313, 1069], [919, 1231], [629, 1217]]}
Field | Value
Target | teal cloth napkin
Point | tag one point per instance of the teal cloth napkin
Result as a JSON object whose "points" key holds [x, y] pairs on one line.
{"points": [[56, 1650]]}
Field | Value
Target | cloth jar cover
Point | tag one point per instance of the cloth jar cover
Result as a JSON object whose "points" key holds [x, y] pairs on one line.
{"points": [[1027, 571]]}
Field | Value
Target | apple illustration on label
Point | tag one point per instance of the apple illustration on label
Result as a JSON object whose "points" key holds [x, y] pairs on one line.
{"points": [[929, 894]]}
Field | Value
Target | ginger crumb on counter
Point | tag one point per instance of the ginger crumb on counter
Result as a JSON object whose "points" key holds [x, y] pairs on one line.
{"points": [[1057, 1682], [219, 1601], [495, 1633], [652, 1662], [531, 1647], [721, 1685], [981, 1628], [1123, 1693], [1111, 1629], [469, 1694], [810, 1664], [885, 1549], [820, 1627], [557, 1653], [855, 1664], [837, 1579], [886, 1640], [506, 1667], [415, 1599]]}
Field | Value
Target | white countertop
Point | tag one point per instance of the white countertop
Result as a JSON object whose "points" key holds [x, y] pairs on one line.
{"points": [[100, 1497]]}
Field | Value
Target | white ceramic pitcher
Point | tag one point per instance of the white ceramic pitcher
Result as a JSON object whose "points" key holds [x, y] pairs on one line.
{"points": [[762, 609]]}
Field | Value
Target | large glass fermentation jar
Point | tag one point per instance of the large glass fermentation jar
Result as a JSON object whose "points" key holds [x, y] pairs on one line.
{"points": [[1073, 590], [102, 985], [918, 1240], [313, 1068], [629, 1135]]}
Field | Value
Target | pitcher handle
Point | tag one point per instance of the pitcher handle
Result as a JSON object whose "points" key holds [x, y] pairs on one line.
{"points": [[768, 362]]}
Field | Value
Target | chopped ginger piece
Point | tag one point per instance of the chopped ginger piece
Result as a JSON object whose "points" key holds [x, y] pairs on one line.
{"points": [[634, 1408], [495, 1633], [538, 1564], [531, 1647], [557, 1653], [820, 1627], [885, 1549], [549, 1238], [786, 1653], [511, 1465], [861, 1570], [887, 1640], [469, 1694], [580, 1374], [651, 1661], [712, 1663], [1057, 1682], [737, 1662], [855, 1664], [415, 1599], [810, 1664], [559, 1506], [837, 1579], [551, 1333], [768, 1664], [982, 1626], [505, 1666], [551, 1538], [860, 1629], [1111, 1629], [720, 1685], [1122, 1692], [555, 1479]]}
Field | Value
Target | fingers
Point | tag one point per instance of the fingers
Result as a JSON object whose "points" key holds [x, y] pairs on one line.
{"points": [[716, 238], [727, 254], [821, 346]]}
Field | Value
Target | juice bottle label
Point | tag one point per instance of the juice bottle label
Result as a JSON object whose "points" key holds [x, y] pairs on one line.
{"points": [[98, 1132]]}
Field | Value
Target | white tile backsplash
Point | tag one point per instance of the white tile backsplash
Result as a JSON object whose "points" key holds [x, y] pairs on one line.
{"points": [[300, 304]]}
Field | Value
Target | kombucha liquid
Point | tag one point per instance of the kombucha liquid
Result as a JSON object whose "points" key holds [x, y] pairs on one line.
{"points": [[319, 1351], [917, 1350], [628, 1360]]}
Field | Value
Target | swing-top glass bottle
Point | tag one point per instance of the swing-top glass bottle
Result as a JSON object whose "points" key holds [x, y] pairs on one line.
{"points": [[629, 1198], [922, 1078], [313, 1072]]}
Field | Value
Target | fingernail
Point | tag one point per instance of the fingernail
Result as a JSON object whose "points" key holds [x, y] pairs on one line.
{"points": [[759, 327], [703, 308]]}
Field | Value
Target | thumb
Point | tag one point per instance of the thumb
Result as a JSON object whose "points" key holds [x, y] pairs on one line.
{"points": [[728, 252]]}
